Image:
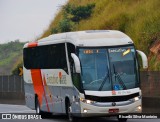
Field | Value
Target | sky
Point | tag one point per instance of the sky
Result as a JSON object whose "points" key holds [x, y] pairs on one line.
{"points": [[26, 20]]}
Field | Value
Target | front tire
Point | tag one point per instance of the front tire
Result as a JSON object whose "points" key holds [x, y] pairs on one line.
{"points": [[71, 118]]}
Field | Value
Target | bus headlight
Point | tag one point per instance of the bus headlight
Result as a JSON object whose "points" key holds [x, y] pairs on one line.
{"points": [[86, 101]]}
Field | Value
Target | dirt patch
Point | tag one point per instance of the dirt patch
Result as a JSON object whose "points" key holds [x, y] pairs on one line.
{"points": [[155, 49]]}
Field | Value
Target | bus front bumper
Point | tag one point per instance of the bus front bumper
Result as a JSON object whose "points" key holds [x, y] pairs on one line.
{"points": [[88, 110]]}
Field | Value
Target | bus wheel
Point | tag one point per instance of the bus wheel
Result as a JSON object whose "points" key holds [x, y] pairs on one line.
{"points": [[122, 119], [37, 105], [69, 114]]}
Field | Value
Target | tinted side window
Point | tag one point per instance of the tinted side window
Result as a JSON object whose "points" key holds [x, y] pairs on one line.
{"points": [[29, 57], [71, 49], [46, 57]]}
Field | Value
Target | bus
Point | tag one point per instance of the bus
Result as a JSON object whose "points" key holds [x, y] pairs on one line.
{"points": [[88, 73]]}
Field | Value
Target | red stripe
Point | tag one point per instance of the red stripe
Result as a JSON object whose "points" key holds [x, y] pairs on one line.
{"points": [[45, 95]]}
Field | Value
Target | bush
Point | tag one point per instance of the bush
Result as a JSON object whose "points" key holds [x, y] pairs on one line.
{"points": [[65, 25], [80, 12], [54, 30]]}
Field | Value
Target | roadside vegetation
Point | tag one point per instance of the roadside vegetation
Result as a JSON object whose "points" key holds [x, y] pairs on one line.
{"points": [[10, 56], [139, 19]]}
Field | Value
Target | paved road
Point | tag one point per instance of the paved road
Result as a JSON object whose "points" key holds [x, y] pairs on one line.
{"points": [[60, 119], [6, 108]]}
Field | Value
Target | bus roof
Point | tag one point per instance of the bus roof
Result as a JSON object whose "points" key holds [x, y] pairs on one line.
{"points": [[89, 38]]}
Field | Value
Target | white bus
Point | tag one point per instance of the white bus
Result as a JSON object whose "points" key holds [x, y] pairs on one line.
{"points": [[83, 74]]}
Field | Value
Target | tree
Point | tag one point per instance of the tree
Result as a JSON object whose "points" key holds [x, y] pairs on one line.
{"points": [[54, 30], [65, 25], [80, 12]]}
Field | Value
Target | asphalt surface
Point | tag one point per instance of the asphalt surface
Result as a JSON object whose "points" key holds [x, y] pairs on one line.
{"points": [[18, 109], [8, 108]]}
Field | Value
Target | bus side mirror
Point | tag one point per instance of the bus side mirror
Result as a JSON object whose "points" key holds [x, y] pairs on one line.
{"points": [[144, 59], [76, 62]]}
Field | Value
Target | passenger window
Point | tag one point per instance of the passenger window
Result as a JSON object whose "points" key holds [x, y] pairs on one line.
{"points": [[46, 57]]}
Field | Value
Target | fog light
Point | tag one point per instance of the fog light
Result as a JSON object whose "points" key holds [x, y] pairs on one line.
{"points": [[85, 111], [139, 108]]}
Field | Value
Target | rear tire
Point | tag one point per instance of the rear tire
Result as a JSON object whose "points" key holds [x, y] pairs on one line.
{"points": [[39, 112], [37, 107]]}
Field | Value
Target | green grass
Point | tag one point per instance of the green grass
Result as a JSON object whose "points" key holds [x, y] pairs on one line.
{"points": [[9, 59], [154, 63], [11, 53], [139, 19]]}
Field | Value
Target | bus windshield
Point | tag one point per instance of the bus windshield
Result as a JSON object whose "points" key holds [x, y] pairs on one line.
{"points": [[106, 69]]}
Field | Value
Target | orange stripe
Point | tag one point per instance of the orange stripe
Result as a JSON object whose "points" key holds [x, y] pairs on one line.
{"points": [[38, 86], [32, 44], [37, 83]]}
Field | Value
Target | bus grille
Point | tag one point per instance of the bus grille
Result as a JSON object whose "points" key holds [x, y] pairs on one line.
{"points": [[111, 98]]}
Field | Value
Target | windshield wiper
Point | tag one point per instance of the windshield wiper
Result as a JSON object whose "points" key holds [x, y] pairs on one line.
{"points": [[104, 80], [119, 79]]}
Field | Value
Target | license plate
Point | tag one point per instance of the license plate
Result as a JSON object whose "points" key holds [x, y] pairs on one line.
{"points": [[115, 110]]}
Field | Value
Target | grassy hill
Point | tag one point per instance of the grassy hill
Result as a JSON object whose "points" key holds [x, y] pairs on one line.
{"points": [[10, 56], [140, 19]]}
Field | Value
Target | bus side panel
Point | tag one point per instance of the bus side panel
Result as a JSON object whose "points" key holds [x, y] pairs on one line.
{"points": [[66, 92], [54, 94], [53, 99], [77, 105], [56, 99], [53, 81], [29, 96], [73, 94], [29, 90], [57, 88]]}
